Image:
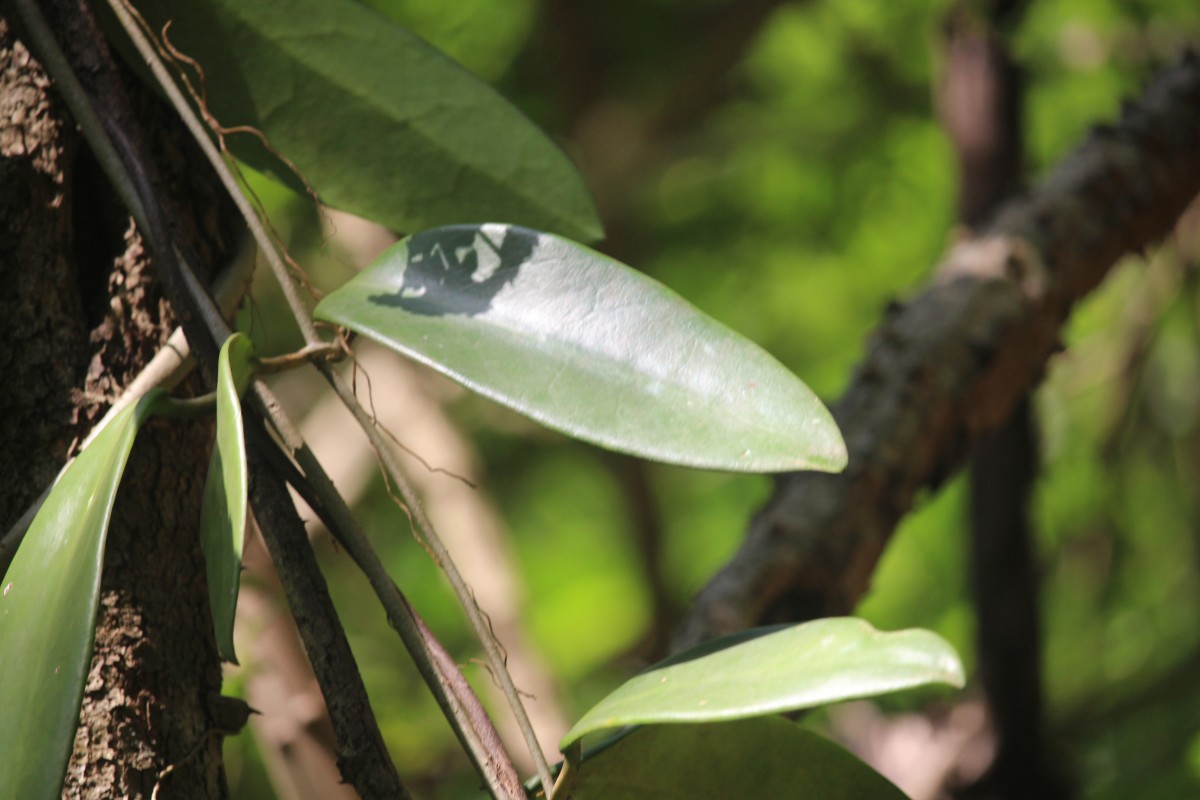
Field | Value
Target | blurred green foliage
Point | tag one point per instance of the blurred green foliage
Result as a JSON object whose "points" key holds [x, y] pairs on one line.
{"points": [[814, 184]]}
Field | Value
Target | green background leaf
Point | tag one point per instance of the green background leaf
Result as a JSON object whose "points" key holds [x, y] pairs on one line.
{"points": [[800, 666], [761, 757], [48, 611], [223, 515], [382, 124], [588, 346]]}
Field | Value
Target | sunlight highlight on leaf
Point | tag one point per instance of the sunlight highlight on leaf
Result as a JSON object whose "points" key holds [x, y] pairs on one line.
{"points": [[588, 346]]}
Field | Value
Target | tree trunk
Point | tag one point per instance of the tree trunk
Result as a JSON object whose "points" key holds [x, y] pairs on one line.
{"points": [[83, 313], [981, 108]]}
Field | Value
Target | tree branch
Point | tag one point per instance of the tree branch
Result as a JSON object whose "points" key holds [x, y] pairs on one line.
{"points": [[951, 365], [362, 757], [980, 102]]}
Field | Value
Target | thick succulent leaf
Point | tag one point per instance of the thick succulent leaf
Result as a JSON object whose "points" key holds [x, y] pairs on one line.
{"points": [[379, 122], [48, 611], [587, 346], [759, 757], [223, 515], [785, 669]]}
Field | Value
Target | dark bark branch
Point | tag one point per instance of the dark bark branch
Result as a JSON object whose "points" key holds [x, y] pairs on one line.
{"points": [[980, 104], [362, 756], [952, 364], [1004, 582], [297, 744]]}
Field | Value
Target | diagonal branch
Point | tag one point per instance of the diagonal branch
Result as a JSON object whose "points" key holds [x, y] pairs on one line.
{"points": [[362, 755], [950, 365]]}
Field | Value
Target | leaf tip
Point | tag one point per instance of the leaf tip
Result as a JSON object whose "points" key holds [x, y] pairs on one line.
{"points": [[952, 668], [591, 229], [822, 448], [834, 456], [226, 652]]}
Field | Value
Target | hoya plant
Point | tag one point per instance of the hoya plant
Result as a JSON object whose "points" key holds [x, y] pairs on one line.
{"points": [[497, 289]]}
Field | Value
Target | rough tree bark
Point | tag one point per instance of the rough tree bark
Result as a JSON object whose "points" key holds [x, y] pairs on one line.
{"points": [[82, 314]]}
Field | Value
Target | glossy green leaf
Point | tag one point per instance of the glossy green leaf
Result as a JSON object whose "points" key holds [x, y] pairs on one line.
{"points": [[760, 757], [48, 611], [223, 515], [587, 346], [785, 669], [379, 122]]}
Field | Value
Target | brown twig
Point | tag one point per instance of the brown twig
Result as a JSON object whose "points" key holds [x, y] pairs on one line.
{"points": [[362, 756]]}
